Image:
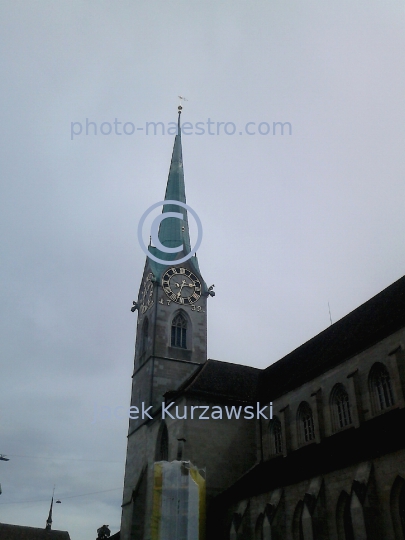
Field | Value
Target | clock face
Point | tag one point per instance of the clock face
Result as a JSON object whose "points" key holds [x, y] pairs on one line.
{"points": [[181, 286], [146, 296]]}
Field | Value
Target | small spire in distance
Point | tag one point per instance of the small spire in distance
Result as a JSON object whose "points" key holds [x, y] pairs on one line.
{"points": [[49, 520]]}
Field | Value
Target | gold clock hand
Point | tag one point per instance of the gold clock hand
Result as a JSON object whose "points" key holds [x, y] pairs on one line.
{"points": [[181, 288]]}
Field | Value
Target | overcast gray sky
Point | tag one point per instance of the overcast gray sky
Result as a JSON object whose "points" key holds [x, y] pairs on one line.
{"points": [[290, 221]]}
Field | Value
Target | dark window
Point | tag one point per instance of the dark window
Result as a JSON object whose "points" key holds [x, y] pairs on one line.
{"points": [[259, 528], [276, 436], [342, 402], [179, 332], [383, 385], [144, 341], [305, 423], [381, 388], [340, 407], [401, 508], [343, 518], [298, 533]]}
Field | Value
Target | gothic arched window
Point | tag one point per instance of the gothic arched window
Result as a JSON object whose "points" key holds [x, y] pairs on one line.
{"points": [[380, 387], [259, 527], [297, 522], [179, 331], [343, 517], [276, 436], [263, 528], [306, 430], [397, 503], [340, 407]]}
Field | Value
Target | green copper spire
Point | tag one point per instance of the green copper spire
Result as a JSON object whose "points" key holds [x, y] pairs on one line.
{"points": [[174, 232]]}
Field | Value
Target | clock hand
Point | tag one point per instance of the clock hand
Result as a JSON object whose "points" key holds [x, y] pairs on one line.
{"points": [[181, 288]]}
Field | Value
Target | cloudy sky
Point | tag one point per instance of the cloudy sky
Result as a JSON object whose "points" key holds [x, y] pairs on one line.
{"points": [[291, 222]]}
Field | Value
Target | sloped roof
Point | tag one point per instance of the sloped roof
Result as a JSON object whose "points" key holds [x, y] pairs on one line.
{"points": [[374, 320], [223, 380], [379, 317], [20, 532]]}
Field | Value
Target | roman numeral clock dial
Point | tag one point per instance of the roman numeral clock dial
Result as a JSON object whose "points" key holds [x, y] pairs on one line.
{"points": [[146, 297], [181, 286]]}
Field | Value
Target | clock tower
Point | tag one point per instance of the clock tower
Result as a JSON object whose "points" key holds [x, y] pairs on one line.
{"points": [[171, 334], [171, 344]]}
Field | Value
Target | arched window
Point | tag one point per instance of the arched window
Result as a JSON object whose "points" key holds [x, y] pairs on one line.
{"points": [[401, 509], [179, 331], [397, 504], [380, 387], [297, 522], [263, 528], [343, 518], [340, 405], [276, 436], [267, 530], [306, 430], [259, 528], [144, 341], [162, 443]]}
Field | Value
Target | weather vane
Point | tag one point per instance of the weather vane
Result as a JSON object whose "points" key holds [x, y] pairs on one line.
{"points": [[181, 98]]}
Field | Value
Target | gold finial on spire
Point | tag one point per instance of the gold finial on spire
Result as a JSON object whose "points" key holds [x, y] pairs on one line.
{"points": [[181, 98]]}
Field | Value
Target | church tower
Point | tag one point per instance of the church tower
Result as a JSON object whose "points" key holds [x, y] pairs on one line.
{"points": [[171, 343]]}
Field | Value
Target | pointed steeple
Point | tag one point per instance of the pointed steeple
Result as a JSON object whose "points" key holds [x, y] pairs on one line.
{"points": [[49, 520], [172, 231]]}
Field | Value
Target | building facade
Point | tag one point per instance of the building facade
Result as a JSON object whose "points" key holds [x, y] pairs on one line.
{"points": [[331, 463], [326, 461]]}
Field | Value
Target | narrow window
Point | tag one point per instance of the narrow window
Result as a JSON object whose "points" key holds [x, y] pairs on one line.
{"points": [[340, 407], [305, 423], [380, 386], [397, 503], [162, 444], [343, 518], [144, 341], [276, 436], [179, 331], [297, 531], [259, 527]]}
